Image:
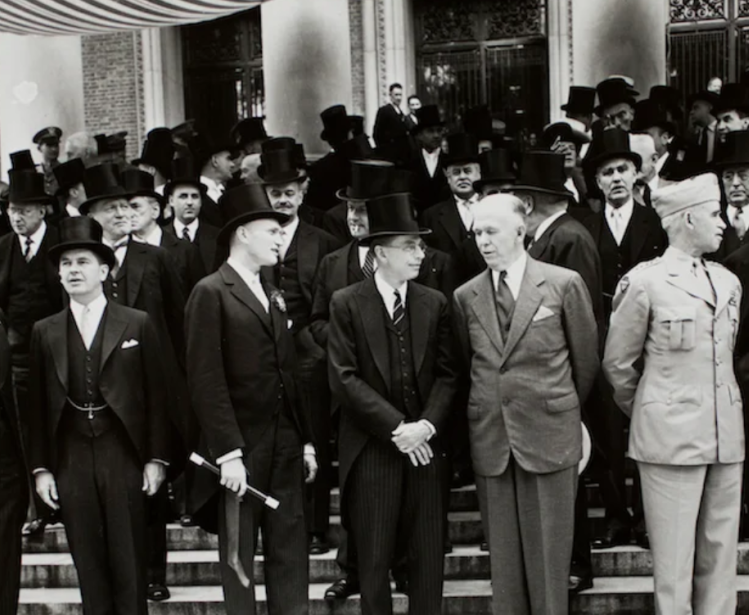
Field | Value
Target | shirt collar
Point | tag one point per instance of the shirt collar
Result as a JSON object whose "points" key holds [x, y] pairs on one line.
{"points": [[72, 211], [248, 276], [515, 273], [211, 184], [153, 239], [192, 228], [625, 210], [547, 223], [679, 257], [120, 243], [96, 307], [432, 155], [466, 202], [387, 292], [290, 230], [36, 237]]}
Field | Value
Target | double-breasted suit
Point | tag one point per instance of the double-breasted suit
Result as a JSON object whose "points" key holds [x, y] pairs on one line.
{"points": [[524, 426], [669, 359], [187, 260], [382, 493], [206, 238], [241, 374]]}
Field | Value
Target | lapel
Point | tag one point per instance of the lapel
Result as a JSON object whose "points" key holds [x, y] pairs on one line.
{"points": [[485, 308], [135, 261], [539, 247], [168, 240], [451, 221], [418, 309], [596, 225], [242, 292], [526, 305], [372, 313], [308, 252], [679, 275], [6, 255], [114, 328], [638, 231], [346, 269], [723, 292], [58, 344]]}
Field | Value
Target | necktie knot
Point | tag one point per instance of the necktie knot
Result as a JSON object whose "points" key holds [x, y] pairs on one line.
{"points": [[27, 249], [186, 234]]}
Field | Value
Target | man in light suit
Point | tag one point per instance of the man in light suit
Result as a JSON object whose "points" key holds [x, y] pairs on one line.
{"points": [[669, 359], [528, 331]]}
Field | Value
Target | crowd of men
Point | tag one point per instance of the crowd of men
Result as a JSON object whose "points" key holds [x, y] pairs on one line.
{"points": [[440, 307]]}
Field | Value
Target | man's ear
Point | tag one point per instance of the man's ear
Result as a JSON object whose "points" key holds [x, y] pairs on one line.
{"points": [[528, 201]]}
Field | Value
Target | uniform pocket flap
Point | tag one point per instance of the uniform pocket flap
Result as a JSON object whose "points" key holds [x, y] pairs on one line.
{"points": [[676, 314], [563, 403]]}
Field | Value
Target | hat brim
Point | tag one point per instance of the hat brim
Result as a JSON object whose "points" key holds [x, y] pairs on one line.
{"points": [[36, 200], [367, 239], [106, 253], [419, 127], [273, 181], [479, 184], [195, 183], [461, 160], [225, 233], [149, 193], [731, 162], [561, 193], [597, 161], [87, 204]]}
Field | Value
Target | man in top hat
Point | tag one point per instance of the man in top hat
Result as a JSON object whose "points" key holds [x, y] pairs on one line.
{"points": [[427, 162], [578, 109], [156, 156], [112, 149], [184, 194], [47, 141], [390, 123], [29, 287], [616, 102], [217, 162], [732, 109], [703, 122], [249, 135], [647, 180], [563, 138], [625, 235], [14, 487], [248, 404], [391, 370], [669, 359], [329, 173], [69, 176], [303, 247], [527, 332], [478, 122], [98, 436], [654, 118]]}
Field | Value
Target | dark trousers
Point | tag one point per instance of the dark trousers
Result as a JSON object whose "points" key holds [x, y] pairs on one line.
{"points": [[157, 516], [389, 501], [100, 482], [276, 467], [582, 558], [13, 503]]}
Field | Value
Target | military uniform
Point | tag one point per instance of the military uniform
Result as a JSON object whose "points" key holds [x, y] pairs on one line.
{"points": [[669, 359]]}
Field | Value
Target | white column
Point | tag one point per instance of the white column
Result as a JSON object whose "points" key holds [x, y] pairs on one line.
{"points": [[172, 76], [371, 79], [560, 54], [153, 78]]}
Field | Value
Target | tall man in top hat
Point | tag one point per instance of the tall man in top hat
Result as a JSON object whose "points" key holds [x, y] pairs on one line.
{"points": [[29, 286], [390, 124], [217, 162], [98, 439], [732, 109], [669, 358], [654, 119], [616, 103], [330, 173], [565, 139], [69, 176], [47, 141], [156, 156], [304, 246], [578, 110], [391, 370], [625, 235], [428, 162], [527, 331], [702, 120], [249, 134], [247, 402]]}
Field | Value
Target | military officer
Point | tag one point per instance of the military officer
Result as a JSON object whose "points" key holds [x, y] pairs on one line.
{"points": [[669, 360], [47, 141]]}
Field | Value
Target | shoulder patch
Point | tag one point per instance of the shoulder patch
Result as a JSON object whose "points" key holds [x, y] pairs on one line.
{"points": [[623, 285]]}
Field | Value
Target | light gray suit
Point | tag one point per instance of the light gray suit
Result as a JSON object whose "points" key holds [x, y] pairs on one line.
{"points": [[524, 427]]}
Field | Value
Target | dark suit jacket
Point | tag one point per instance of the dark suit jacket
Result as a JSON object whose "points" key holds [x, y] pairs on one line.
{"points": [[186, 259], [9, 420], [448, 232], [359, 364], [389, 125], [131, 381], [326, 177], [427, 190], [210, 212], [206, 239], [335, 222]]}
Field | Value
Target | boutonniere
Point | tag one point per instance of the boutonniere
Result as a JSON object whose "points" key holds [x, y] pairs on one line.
{"points": [[276, 298]]}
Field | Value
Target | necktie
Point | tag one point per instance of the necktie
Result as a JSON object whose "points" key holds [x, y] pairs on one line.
{"points": [[505, 305], [186, 234], [368, 268], [399, 311], [86, 327], [120, 251], [27, 255], [616, 226]]}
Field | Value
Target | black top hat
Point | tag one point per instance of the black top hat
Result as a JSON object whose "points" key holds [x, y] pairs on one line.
{"points": [[496, 168], [51, 134], [68, 174], [140, 183], [478, 122], [542, 171], [358, 148], [684, 160], [613, 91], [669, 98], [357, 124], [22, 161], [735, 150], [336, 123], [279, 167], [27, 188], [244, 204], [101, 182], [580, 100], [427, 117], [204, 145], [733, 97], [650, 113], [391, 215], [704, 95], [277, 143], [185, 173], [158, 151], [247, 130], [562, 131], [609, 144], [373, 178], [185, 131], [462, 147], [299, 156], [114, 143], [81, 233]]}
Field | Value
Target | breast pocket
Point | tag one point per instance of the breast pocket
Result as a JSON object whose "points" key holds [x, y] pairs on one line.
{"points": [[678, 325]]}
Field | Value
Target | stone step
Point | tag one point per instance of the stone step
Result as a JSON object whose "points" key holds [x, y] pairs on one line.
{"points": [[620, 595]]}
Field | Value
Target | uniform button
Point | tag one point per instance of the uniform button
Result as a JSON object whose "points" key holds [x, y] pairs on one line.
{"points": [[115, 295]]}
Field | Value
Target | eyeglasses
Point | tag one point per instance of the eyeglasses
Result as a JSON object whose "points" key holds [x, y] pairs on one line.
{"points": [[411, 248]]}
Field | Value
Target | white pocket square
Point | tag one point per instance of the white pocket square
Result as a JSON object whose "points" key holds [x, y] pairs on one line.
{"points": [[541, 313], [129, 344], [289, 324]]}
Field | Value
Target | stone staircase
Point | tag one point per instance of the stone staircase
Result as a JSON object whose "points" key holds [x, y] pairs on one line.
{"points": [[623, 583]]}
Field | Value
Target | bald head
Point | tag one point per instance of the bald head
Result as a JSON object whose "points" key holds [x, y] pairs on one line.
{"points": [[499, 225]]}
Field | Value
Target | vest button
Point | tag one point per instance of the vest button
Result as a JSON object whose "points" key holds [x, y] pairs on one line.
{"points": [[114, 295]]}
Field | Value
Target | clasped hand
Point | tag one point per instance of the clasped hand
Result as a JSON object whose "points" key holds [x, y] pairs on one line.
{"points": [[412, 440]]}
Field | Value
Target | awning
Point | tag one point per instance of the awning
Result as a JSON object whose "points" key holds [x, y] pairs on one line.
{"points": [[55, 17]]}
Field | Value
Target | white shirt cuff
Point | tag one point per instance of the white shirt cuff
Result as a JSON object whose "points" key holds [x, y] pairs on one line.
{"points": [[39, 471], [430, 427], [161, 461], [309, 449], [235, 454]]}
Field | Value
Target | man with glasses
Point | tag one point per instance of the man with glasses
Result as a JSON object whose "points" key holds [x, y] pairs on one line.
{"points": [[390, 358], [616, 103]]}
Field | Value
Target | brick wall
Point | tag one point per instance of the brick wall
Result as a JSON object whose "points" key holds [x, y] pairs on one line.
{"points": [[357, 57], [113, 86]]}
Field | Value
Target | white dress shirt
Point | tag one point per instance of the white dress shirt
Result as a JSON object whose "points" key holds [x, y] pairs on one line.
{"points": [[88, 317], [363, 251], [153, 239], [546, 224], [72, 211], [288, 236], [464, 209], [569, 184], [213, 189], [514, 278], [36, 240], [192, 229], [431, 159], [119, 248], [252, 280], [618, 219]]}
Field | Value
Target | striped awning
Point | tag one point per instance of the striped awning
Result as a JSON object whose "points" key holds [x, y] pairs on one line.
{"points": [[58, 17]]}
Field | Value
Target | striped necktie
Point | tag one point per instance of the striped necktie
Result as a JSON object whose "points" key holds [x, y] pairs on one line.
{"points": [[399, 311], [186, 234], [368, 268], [27, 255]]}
